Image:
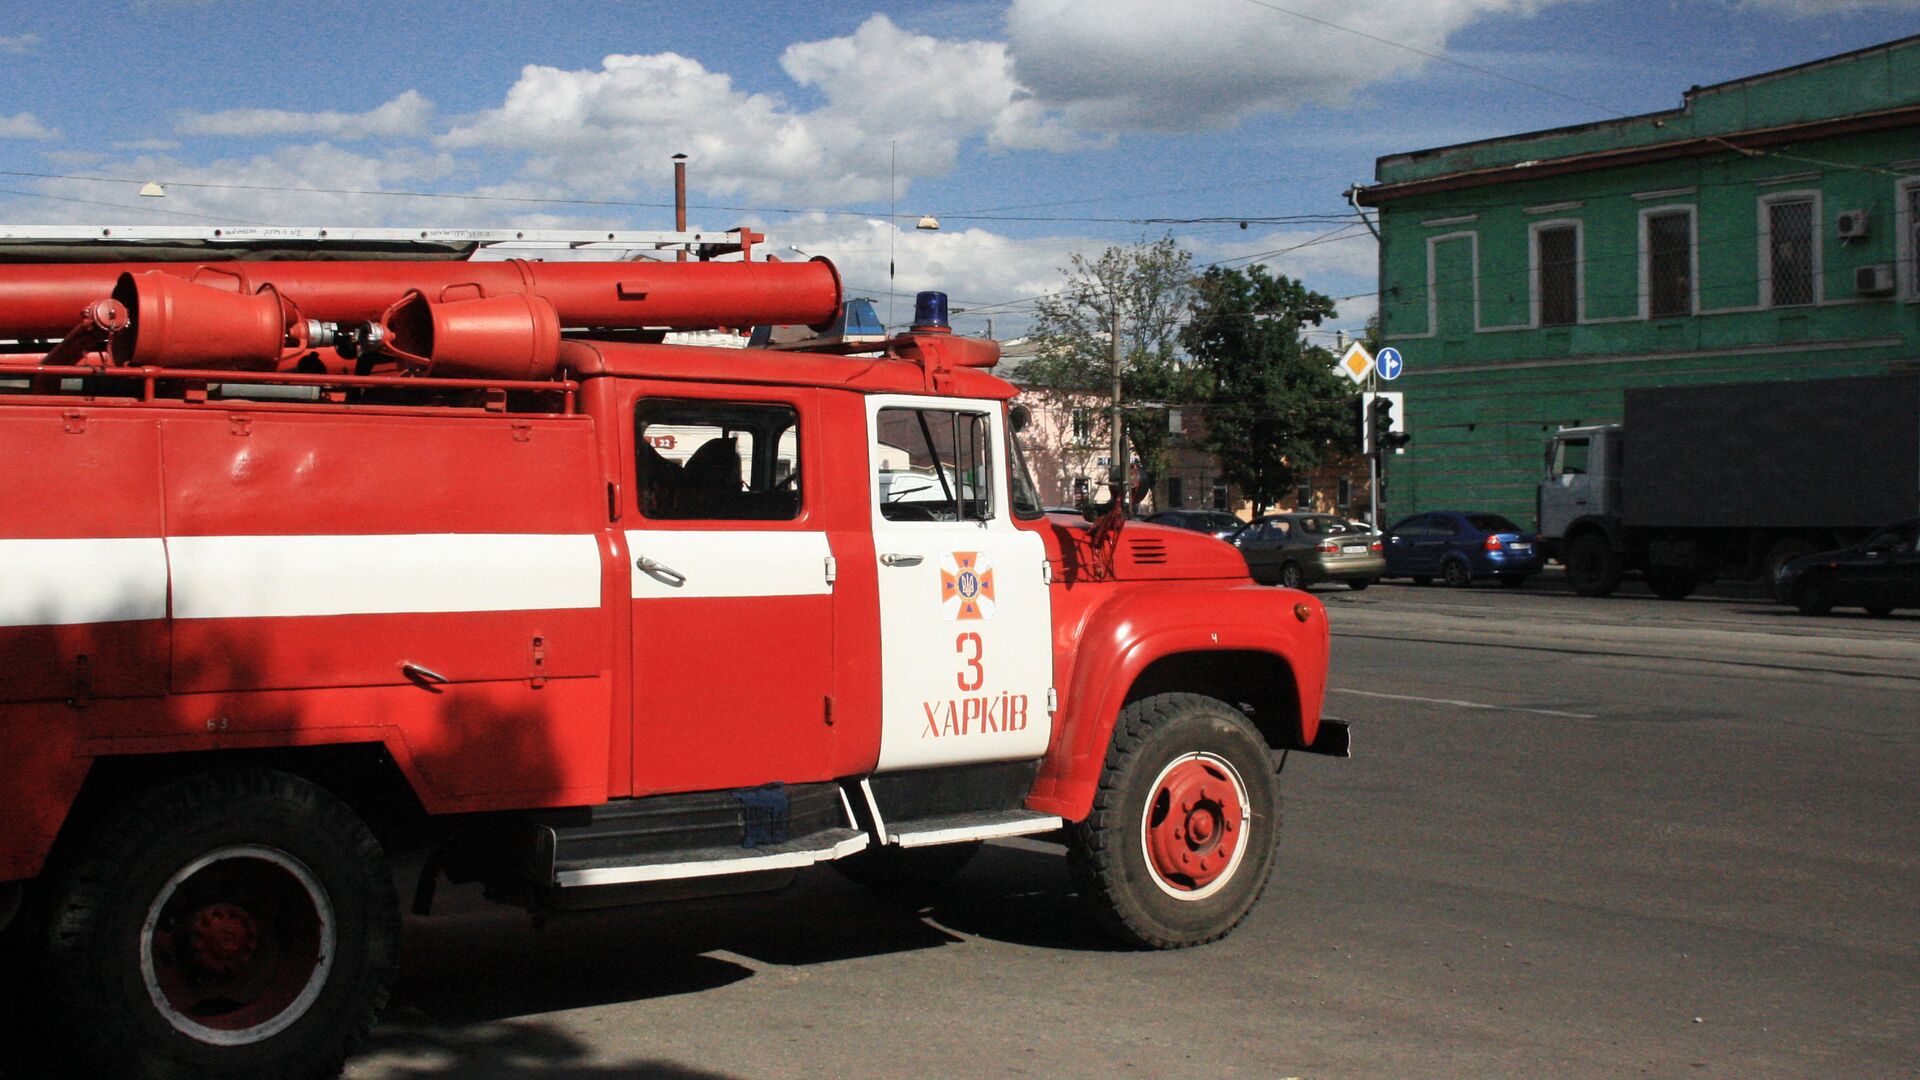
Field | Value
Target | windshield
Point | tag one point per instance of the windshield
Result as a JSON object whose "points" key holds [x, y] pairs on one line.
{"points": [[1492, 523], [1894, 537]]}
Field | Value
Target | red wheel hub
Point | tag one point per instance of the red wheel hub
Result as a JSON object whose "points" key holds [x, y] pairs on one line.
{"points": [[222, 938], [1194, 825]]}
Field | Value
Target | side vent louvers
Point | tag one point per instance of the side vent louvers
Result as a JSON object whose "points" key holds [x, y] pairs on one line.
{"points": [[1146, 551]]}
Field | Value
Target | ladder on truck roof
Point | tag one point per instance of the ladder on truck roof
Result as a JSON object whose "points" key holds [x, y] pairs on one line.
{"points": [[118, 243]]}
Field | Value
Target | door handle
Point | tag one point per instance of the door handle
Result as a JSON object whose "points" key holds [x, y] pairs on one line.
{"points": [[891, 559], [661, 571], [422, 674]]}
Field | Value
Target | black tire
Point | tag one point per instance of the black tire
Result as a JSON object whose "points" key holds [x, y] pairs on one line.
{"points": [[1356, 584], [907, 871], [1593, 567], [1879, 611], [1191, 892], [1291, 577], [1785, 550], [1813, 597], [1513, 581], [238, 924], [1672, 584], [1456, 573], [1422, 579]]}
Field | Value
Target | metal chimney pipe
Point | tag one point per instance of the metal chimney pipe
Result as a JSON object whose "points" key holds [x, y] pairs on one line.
{"points": [[680, 198]]}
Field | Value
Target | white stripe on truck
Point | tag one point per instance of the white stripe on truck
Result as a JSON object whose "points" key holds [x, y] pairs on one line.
{"points": [[244, 577], [68, 582]]}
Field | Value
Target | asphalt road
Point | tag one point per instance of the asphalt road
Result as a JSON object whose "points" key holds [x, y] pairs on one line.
{"points": [[1579, 838]]}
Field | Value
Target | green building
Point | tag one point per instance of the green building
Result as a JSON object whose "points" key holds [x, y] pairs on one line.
{"points": [[1769, 228]]}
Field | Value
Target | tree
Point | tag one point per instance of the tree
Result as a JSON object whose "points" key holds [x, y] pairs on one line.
{"points": [[1274, 407], [1150, 285]]}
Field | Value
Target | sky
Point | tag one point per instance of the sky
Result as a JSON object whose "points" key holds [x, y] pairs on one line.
{"points": [[1031, 129]]}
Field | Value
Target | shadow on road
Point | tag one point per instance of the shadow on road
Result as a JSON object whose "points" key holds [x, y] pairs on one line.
{"points": [[523, 1050]]}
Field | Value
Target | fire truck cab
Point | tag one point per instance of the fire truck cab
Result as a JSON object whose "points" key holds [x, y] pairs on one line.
{"points": [[306, 562]]}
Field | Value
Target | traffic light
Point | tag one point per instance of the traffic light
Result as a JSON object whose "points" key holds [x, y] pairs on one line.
{"points": [[1382, 422]]}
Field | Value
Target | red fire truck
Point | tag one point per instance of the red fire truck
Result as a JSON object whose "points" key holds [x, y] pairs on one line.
{"points": [[313, 549]]}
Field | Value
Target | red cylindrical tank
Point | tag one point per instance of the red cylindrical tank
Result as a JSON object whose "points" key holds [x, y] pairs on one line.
{"points": [[500, 337], [173, 321], [46, 299]]}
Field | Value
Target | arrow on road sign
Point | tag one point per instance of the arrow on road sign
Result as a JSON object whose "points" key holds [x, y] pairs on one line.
{"points": [[1389, 363]]}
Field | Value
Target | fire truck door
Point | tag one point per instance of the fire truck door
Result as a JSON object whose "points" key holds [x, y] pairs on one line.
{"points": [[732, 597], [965, 630]]}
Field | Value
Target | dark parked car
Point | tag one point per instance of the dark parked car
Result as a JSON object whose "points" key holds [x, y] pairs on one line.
{"points": [[1213, 522], [1297, 550], [1880, 573], [1459, 547]]}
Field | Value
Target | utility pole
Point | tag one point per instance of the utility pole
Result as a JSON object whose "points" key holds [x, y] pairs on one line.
{"points": [[1118, 472], [1373, 454]]}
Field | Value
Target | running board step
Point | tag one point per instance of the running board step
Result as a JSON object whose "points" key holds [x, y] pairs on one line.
{"points": [[956, 828], [823, 846]]}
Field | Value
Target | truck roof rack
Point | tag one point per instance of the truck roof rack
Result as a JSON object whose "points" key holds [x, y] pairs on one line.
{"points": [[200, 243]]}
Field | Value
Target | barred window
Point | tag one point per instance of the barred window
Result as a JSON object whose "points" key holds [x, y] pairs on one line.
{"points": [[1790, 252], [1557, 264], [1083, 426], [1913, 241], [1670, 263]]}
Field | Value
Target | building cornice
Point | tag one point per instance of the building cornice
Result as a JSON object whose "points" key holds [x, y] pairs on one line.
{"points": [[1693, 146]]}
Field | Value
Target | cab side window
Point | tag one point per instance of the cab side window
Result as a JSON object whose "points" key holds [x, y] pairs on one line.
{"points": [[717, 461], [935, 465], [1570, 458]]}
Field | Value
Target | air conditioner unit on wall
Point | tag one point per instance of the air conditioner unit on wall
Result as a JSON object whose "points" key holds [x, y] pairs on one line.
{"points": [[1851, 224], [1873, 280]]}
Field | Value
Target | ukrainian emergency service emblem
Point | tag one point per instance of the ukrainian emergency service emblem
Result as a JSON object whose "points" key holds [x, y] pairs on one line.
{"points": [[966, 586]]}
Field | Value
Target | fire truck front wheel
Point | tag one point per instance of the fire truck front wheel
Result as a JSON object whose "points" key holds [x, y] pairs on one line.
{"points": [[235, 925], [1181, 838]]}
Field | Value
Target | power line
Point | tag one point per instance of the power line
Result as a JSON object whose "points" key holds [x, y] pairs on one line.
{"points": [[1291, 219], [124, 206]]}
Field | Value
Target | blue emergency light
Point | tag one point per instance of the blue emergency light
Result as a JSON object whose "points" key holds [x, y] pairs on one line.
{"points": [[930, 311]]}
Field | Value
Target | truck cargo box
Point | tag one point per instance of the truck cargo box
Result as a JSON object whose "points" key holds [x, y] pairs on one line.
{"points": [[1829, 453]]}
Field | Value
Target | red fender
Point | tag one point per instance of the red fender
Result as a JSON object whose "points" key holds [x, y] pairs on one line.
{"points": [[1116, 646]]}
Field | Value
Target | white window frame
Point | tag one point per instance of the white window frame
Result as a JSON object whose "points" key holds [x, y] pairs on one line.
{"points": [[1907, 282], [1693, 255], [1534, 229], [1764, 263]]}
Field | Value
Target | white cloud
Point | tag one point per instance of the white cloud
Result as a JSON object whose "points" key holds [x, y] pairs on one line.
{"points": [[152, 145], [1151, 65], [18, 44], [405, 116], [887, 92], [977, 267], [266, 189], [25, 126]]}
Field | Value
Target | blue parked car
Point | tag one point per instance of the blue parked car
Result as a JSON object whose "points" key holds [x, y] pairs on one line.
{"points": [[1458, 547]]}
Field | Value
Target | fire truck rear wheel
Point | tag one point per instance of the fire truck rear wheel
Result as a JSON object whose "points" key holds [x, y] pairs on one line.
{"points": [[235, 925], [908, 870], [1181, 838]]}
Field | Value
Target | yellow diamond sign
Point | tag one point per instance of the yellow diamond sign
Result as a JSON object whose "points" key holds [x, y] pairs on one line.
{"points": [[1356, 363]]}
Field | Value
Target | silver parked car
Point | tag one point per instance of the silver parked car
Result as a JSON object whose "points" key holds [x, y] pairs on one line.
{"points": [[1298, 550]]}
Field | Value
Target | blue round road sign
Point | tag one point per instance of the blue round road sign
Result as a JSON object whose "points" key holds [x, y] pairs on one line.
{"points": [[1388, 363]]}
